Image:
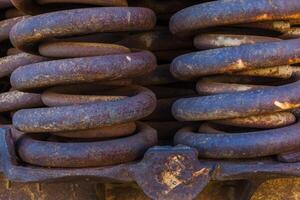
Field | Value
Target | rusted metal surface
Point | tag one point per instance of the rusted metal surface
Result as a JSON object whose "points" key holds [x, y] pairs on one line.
{"points": [[79, 49], [290, 157], [36, 7], [84, 93], [27, 34], [88, 154], [14, 100], [224, 12], [80, 70], [222, 106], [213, 40], [209, 86], [280, 26], [6, 26], [91, 131], [266, 121], [10, 63], [244, 103], [233, 59], [178, 173], [106, 132], [242, 145], [163, 7], [86, 116]]}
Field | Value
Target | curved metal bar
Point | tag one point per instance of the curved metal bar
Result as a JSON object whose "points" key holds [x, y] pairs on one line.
{"points": [[14, 100], [86, 116], [79, 49], [241, 145], [267, 121], [89, 154], [225, 12], [215, 40], [240, 104], [10, 63], [234, 59], [27, 34], [114, 131], [80, 70], [34, 7], [7, 24]]}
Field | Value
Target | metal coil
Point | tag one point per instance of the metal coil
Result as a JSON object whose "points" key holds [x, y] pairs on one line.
{"points": [[87, 154], [86, 86], [246, 77]]}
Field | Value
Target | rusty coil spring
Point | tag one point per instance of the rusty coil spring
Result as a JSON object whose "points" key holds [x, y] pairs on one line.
{"points": [[12, 100], [87, 110], [261, 103]]}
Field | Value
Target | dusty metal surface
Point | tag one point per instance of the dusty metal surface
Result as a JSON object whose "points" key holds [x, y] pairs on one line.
{"points": [[6, 25], [225, 12], [28, 33], [90, 130], [238, 58], [81, 70], [10, 63], [223, 106], [163, 173], [86, 116], [14, 100], [33, 7], [86, 154], [241, 145]]}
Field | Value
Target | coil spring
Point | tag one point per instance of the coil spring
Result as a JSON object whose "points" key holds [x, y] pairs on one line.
{"points": [[240, 50], [77, 106]]}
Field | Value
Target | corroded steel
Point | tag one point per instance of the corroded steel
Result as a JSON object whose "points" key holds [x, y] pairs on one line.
{"points": [[40, 6], [238, 58], [79, 49], [214, 40], [289, 157], [84, 93], [87, 116], [14, 100], [6, 26], [225, 12], [224, 106], [106, 132], [87, 154], [207, 86], [10, 63], [80, 70], [156, 173], [242, 145], [27, 34], [273, 120]]}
